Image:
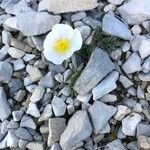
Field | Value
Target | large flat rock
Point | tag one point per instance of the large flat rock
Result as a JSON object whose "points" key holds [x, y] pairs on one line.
{"points": [[97, 68], [64, 6]]}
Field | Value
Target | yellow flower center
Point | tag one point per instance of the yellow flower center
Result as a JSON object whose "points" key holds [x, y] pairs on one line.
{"points": [[62, 45]]}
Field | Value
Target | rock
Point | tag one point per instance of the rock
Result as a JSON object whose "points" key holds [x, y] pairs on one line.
{"points": [[20, 95], [116, 145], [23, 133], [109, 7], [116, 55], [3, 126], [34, 73], [97, 68], [3, 142], [85, 31], [140, 92], [59, 77], [79, 128], [12, 139], [146, 25], [27, 122], [143, 129], [108, 98], [113, 26], [17, 115], [59, 107], [22, 144], [132, 64], [48, 77], [46, 114], [78, 16], [3, 52], [106, 85], [64, 6], [138, 108], [3, 18], [6, 71], [125, 47], [120, 134], [144, 142], [31, 23], [132, 91], [37, 95], [138, 15], [133, 145], [35, 145], [125, 81], [65, 91], [144, 77], [105, 112], [28, 57], [33, 110], [130, 123], [136, 29], [55, 146], [5, 109], [144, 48], [56, 128], [13, 125], [18, 64], [122, 112], [15, 53], [146, 65], [84, 98], [116, 2], [6, 37]]}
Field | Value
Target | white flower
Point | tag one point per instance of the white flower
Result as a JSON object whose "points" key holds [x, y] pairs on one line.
{"points": [[61, 43]]}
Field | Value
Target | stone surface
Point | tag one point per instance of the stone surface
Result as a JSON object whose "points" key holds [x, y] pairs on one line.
{"points": [[113, 26], [146, 65], [15, 53], [105, 112], [130, 123], [36, 146], [35, 23], [5, 109], [132, 64], [17, 115], [78, 128], [6, 71], [106, 85], [116, 2], [144, 142], [58, 105], [97, 68], [144, 76], [56, 128], [55, 146], [140, 13], [125, 81], [143, 129], [64, 6]]}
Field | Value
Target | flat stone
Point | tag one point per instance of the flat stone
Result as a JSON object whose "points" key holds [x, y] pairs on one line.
{"points": [[133, 145], [84, 98], [22, 144], [106, 85], [35, 145], [78, 16], [6, 71], [34, 73], [27, 122], [122, 112], [55, 146], [113, 26], [97, 68], [15, 53], [3, 52], [144, 76], [143, 129], [129, 124], [140, 13], [4, 17], [79, 128], [56, 128], [5, 109], [58, 105], [105, 112], [64, 6], [23, 133], [17, 115], [3, 143], [125, 81], [33, 110], [31, 23], [116, 145], [146, 25], [116, 2], [12, 125], [146, 65], [38, 42], [144, 142], [46, 114], [18, 64], [132, 64], [108, 98]]}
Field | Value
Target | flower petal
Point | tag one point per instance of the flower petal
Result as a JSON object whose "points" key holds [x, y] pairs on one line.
{"points": [[64, 30], [77, 40]]}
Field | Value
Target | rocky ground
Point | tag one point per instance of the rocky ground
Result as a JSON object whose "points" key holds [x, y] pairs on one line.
{"points": [[99, 99]]}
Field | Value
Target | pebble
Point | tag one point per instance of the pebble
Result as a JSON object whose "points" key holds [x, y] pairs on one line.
{"points": [[84, 98], [129, 102], [129, 124], [106, 85], [15, 53], [58, 105], [144, 77], [38, 42], [144, 142], [6, 71], [46, 114], [3, 52], [3, 142], [106, 112], [108, 98], [114, 27], [125, 81], [22, 144], [18, 64], [17, 115], [146, 25], [34, 73], [33, 110], [136, 29], [140, 10], [125, 47], [109, 7], [59, 77], [64, 6], [146, 65], [5, 109], [116, 55], [78, 128], [143, 130], [28, 57], [132, 64], [97, 68], [78, 16], [56, 146], [56, 128], [36, 145], [133, 145], [116, 2]]}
